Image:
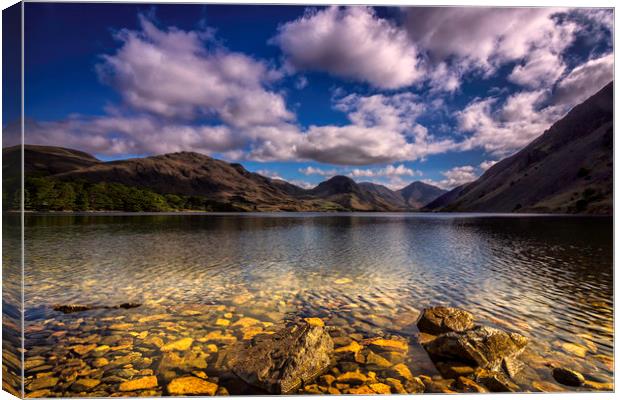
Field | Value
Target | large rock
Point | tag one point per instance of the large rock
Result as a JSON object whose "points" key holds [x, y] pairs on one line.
{"points": [[280, 363], [482, 346], [437, 320], [568, 377]]}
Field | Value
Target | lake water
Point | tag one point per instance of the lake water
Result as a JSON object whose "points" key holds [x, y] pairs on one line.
{"points": [[546, 277]]}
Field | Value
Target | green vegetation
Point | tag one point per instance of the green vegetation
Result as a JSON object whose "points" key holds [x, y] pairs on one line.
{"points": [[47, 194]]}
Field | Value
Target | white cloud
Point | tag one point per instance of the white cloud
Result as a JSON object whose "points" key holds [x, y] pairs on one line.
{"points": [[310, 170], [486, 164], [541, 68], [351, 43], [270, 174], [389, 171], [455, 177], [585, 80], [180, 74]]}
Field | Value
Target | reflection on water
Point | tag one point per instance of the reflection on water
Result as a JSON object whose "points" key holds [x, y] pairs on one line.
{"points": [[549, 278]]}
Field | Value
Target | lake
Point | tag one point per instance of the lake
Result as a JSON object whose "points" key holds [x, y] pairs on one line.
{"points": [[546, 277]]}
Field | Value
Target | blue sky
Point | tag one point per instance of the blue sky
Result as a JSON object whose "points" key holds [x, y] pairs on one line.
{"points": [[388, 95]]}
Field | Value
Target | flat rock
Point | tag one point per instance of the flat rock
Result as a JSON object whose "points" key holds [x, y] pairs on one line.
{"points": [[280, 363], [178, 345], [482, 346], [380, 344], [568, 377], [146, 382], [437, 320], [42, 383], [495, 381], [191, 385], [84, 385]]}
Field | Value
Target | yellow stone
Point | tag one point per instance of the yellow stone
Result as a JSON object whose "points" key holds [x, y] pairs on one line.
{"points": [[245, 322], [578, 350], [380, 388], [250, 332], [178, 345], [146, 382], [100, 362], [352, 378], [155, 317], [39, 393], [101, 348], [342, 281], [83, 349], [361, 390], [389, 345], [191, 385], [222, 322], [211, 348], [216, 336], [353, 347], [607, 387], [228, 315], [120, 327], [403, 371], [315, 321]]}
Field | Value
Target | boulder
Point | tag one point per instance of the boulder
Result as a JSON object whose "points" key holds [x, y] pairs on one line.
{"points": [[190, 385], [281, 362], [495, 381], [482, 346], [437, 320], [568, 377]]}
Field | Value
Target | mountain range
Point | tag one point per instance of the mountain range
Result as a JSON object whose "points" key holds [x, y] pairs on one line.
{"points": [[567, 169], [230, 186]]}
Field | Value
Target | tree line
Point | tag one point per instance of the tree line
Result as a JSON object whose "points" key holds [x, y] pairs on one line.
{"points": [[48, 194]]}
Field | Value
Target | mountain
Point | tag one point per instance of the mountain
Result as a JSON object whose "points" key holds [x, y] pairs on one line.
{"points": [[445, 199], [46, 160], [418, 194], [391, 196], [351, 195], [568, 169]]}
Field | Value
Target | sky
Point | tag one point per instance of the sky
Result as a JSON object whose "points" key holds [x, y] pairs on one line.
{"points": [[384, 95]]}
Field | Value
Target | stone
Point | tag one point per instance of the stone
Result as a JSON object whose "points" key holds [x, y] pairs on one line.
{"points": [[381, 344], [85, 385], [601, 386], [178, 345], [281, 362], [212, 348], [396, 385], [568, 377], [245, 322], [495, 381], [191, 385], [415, 385], [353, 347], [217, 336], [512, 367], [315, 321], [437, 320], [375, 361], [453, 369], [327, 379], [483, 346], [400, 371], [100, 362], [222, 322], [352, 378], [32, 363], [467, 385], [36, 394], [575, 349], [42, 383], [424, 338], [146, 382], [71, 308], [380, 388], [83, 349], [361, 390]]}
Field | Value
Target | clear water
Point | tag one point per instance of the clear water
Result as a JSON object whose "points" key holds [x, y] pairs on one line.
{"points": [[547, 277]]}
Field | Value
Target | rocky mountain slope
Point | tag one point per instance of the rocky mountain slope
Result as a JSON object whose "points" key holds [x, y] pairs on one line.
{"points": [[418, 194], [568, 169]]}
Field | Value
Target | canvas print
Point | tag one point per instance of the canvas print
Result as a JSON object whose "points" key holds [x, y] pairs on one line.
{"points": [[239, 199]]}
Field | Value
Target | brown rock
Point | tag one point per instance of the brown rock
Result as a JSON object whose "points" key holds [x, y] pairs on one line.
{"points": [[467, 385], [191, 385], [568, 377], [437, 320], [84, 385], [146, 382]]}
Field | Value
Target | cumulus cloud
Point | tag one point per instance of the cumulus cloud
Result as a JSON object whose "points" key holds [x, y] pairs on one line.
{"points": [[181, 74], [585, 80], [486, 164], [388, 171], [455, 177], [351, 43], [310, 170]]}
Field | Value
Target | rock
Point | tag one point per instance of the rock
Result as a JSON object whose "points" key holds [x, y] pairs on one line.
{"points": [[71, 308], [42, 383], [467, 385], [352, 378], [281, 362], [543, 386], [100, 362], [380, 388], [495, 381], [601, 386], [361, 390], [146, 382], [31, 363], [127, 306], [415, 385], [353, 347], [400, 371], [483, 346], [380, 344], [178, 345], [83, 349], [222, 322], [84, 385], [437, 320], [575, 349], [191, 385], [375, 361], [315, 321], [396, 385], [245, 322], [327, 379], [37, 394], [424, 338], [568, 377], [512, 367], [454, 369], [217, 336]]}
